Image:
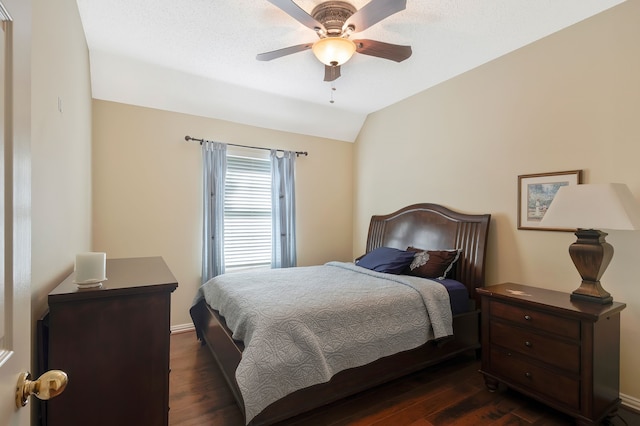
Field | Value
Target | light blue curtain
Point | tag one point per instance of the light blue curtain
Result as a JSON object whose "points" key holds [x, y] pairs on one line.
{"points": [[214, 170], [283, 209]]}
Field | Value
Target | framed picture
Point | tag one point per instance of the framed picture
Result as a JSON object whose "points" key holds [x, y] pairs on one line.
{"points": [[535, 193]]}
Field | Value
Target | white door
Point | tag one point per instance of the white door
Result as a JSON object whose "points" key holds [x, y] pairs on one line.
{"points": [[15, 202]]}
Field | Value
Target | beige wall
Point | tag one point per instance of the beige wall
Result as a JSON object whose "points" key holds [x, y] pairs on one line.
{"points": [[570, 101], [147, 181], [60, 146]]}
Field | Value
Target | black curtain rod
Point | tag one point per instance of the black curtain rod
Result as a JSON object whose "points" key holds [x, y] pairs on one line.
{"points": [[298, 153]]}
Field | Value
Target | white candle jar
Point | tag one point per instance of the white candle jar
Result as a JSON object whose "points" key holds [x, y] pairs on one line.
{"points": [[91, 267]]}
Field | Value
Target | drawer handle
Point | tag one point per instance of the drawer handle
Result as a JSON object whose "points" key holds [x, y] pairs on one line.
{"points": [[527, 317], [528, 344], [527, 375]]}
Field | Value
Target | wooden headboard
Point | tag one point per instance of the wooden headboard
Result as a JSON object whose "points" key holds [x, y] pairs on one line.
{"points": [[432, 226]]}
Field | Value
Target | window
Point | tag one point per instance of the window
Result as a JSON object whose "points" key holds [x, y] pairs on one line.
{"points": [[247, 213]]}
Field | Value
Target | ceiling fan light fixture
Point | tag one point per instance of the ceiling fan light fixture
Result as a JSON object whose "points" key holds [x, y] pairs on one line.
{"points": [[334, 50]]}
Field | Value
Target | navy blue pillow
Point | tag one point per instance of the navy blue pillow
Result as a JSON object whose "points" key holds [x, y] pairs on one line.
{"points": [[386, 259]]}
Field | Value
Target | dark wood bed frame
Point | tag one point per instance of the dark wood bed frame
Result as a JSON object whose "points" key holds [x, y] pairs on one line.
{"points": [[427, 226]]}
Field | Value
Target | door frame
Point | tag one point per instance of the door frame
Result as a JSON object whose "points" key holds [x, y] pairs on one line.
{"points": [[16, 190]]}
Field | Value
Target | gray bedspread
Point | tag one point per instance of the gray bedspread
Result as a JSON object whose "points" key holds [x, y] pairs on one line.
{"points": [[300, 326]]}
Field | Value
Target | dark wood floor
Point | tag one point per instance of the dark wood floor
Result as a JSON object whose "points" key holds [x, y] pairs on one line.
{"points": [[449, 394]]}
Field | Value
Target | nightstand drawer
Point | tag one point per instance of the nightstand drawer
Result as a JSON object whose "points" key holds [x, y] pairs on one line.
{"points": [[518, 370], [565, 327], [546, 349]]}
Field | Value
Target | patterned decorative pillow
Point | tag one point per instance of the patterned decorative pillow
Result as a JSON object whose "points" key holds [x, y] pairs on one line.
{"points": [[432, 263], [386, 259]]}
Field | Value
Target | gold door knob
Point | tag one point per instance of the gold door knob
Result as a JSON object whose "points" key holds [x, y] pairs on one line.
{"points": [[49, 385]]}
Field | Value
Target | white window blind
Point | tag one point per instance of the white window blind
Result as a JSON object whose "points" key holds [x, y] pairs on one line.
{"points": [[247, 213]]}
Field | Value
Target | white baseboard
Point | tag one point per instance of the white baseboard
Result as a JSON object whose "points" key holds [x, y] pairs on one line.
{"points": [[182, 328], [630, 402]]}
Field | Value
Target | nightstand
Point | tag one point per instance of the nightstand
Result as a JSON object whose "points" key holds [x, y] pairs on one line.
{"points": [[563, 353], [113, 342]]}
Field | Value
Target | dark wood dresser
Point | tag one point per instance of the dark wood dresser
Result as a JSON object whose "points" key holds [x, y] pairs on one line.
{"points": [[113, 342], [561, 352]]}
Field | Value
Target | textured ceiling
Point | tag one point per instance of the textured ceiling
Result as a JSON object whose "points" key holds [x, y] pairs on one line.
{"points": [[198, 56]]}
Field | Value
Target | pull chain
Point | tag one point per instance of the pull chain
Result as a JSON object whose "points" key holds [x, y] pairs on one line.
{"points": [[333, 89]]}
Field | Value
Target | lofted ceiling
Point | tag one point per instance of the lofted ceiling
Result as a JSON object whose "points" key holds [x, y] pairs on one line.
{"points": [[198, 56]]}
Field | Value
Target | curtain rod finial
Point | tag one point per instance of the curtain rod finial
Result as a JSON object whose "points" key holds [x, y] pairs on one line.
{"points": [[187, 138]]}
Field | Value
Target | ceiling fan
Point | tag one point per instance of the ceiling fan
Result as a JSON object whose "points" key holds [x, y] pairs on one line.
{"points": [[334, 22]]}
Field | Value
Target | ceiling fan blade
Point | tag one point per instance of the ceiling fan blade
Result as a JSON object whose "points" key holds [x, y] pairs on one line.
{"points": [[331, 72], [274, 54], [374, 12], [297, 13], [383, 50]]}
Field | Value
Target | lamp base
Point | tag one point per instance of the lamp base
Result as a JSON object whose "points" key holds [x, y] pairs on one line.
{"points": [[590, 291], [591, 255]]}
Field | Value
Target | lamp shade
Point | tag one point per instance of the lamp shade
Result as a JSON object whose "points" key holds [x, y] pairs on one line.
{"points": [[593, 206], [334, 50]]}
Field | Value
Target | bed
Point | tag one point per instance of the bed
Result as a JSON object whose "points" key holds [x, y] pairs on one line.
{"points": [[424, 226]]}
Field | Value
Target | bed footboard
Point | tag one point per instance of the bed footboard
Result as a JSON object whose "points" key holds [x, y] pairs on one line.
{"points": [[227, 352]]}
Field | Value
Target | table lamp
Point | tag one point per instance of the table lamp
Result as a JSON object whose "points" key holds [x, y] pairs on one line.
{"points": [[590, 207]]}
